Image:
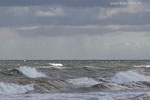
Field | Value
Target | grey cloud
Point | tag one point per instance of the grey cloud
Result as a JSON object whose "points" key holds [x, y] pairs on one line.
{"points": [[76, 34], [63, 31], [66, 3], [72, 16]]}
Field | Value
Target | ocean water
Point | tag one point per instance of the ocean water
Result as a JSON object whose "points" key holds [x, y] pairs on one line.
{"points": [[75, 80]]}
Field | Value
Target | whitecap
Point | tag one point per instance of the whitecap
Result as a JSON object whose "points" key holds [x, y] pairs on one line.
{"points": [[11, 88], [146, 66], [129, 76], [56, 64], [31, 72], [56, 67]]}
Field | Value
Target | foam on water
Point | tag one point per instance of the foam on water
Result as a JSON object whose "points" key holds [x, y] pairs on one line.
{"points": [[31, 72], [129, 76], [11, 88], [146, 66], [56, 64], [56, 67], [83, 82]]}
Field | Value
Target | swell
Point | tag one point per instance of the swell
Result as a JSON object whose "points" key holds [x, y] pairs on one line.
{"points": [[76, 79]]}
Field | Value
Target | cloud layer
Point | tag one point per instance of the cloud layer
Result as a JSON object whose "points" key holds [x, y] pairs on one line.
{"points": [[66, 3], [74, 29]]}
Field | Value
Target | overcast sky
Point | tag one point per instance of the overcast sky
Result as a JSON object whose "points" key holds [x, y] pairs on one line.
{"points": [[74, 29]]}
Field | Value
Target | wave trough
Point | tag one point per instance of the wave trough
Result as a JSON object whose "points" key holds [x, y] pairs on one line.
{"points": [[83, 82]]}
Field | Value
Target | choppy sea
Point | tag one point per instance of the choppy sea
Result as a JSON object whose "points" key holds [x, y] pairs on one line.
{"points": [[74, 80]]}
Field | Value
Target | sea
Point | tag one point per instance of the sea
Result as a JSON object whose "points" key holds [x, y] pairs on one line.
{"points": [[74, 80]]}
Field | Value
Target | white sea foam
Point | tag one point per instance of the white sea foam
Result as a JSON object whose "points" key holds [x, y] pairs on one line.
{"points": [[146, 66], [83, 82], [11, 88], [56, 64], [129, 76], [31, 72], [56, 67]]}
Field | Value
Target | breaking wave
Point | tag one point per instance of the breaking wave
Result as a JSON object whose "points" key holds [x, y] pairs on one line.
{"points": [[129, 76], [56, 64], [83, 82], [31, 72], [11, 88], [146, 66]]}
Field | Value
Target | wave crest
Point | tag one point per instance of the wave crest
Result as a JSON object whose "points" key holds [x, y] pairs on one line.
{"points": [[11, 88], [31, 72], [129, 76], [56, 64], [146, 66]]}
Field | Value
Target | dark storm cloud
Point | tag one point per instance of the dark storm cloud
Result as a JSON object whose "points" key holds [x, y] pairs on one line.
{"points": [[67, 3]]}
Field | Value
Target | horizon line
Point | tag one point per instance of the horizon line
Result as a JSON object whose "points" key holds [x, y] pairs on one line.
{"points": [[73, 59]]}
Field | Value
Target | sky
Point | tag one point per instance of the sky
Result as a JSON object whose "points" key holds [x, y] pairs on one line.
{"points": [[74, 29]]}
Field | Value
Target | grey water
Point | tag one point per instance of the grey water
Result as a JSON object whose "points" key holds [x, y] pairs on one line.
{"points": [[75, 80]]}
